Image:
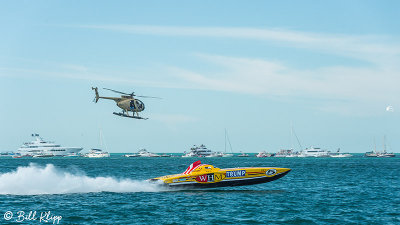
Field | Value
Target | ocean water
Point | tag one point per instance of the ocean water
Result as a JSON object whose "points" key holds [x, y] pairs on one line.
{"points": [[114, 191]]}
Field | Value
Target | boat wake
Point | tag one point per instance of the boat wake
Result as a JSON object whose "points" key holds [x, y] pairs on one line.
{"points": [[37, 180]]}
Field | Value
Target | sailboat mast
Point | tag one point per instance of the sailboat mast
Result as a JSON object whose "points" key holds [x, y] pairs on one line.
{"points": [[229, 141], [225, 141], [100, 140], [291, 136], [384, 143], [298, 141]]}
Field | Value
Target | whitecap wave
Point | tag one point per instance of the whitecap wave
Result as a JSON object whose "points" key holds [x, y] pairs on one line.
{"points": [[36, 180]]}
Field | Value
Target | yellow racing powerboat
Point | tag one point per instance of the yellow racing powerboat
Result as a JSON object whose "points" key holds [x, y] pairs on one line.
{"points": [[199, 175]]}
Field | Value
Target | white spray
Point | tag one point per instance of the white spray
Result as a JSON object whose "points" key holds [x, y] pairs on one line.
{"points": [[36, 180]]}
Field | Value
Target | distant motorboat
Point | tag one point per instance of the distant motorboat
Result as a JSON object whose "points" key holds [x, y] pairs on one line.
{"points": [[144, 153], [340, 155], [264, 154]]}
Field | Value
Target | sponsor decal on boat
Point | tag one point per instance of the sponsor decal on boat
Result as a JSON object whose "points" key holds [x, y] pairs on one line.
{"points": [[270, 172], [236, 173], [205, 178], [179, 180]]}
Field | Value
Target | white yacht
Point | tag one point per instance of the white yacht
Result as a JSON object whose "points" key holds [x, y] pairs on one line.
{"points": [[314, 152], [199, 151], [97, 153], [41, 147]]}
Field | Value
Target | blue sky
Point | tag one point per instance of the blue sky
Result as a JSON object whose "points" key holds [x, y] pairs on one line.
{"points": [[253, 68]]}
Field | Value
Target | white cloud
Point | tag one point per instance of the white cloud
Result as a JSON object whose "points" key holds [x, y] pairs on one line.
{"points": [[350, 87], [371, 48]]}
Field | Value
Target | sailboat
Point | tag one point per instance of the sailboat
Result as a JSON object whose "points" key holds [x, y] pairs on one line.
{"points": [[383, 154], [97, 152], [289, 152]]}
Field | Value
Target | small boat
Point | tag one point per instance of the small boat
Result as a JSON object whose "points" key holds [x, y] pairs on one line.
{"points": [[199, 175], [243, 155], [97, 153], [340, 155]]}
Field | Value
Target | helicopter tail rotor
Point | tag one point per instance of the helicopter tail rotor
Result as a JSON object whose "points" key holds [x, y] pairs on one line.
{"points": [[97, 94]]}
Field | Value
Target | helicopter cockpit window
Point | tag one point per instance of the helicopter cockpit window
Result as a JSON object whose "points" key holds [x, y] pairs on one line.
{"points": [[132, 104], [140, 105]]}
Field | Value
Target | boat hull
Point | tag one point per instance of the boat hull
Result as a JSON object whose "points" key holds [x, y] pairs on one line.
{"points": [[228, 183], [207, 176]]}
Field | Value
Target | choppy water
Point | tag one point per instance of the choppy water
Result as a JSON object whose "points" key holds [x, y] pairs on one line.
{"points": [[113, 191]]}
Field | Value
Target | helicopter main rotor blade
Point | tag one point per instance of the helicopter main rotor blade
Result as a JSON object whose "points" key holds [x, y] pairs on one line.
{"points": [[141, 96], [118, 91]]}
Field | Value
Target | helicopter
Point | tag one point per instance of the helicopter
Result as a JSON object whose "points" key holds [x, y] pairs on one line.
{"points": [[127, 102]]}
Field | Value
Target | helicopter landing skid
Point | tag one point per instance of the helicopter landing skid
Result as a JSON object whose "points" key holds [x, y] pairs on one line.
{"points": [[134, 117]]}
